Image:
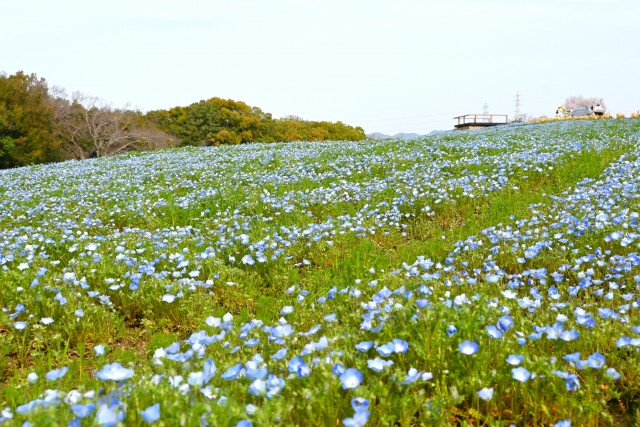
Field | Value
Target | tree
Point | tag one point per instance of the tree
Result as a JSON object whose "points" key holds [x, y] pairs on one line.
{"points": [[219, 121], [90, 128], [26, 121], [577, 101]]}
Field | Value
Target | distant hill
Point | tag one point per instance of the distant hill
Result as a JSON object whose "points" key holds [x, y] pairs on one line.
{"points": [[402, 135]]}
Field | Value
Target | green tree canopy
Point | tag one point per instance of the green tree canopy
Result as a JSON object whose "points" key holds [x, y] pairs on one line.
{"points": [[26, 121], [218, 121]]}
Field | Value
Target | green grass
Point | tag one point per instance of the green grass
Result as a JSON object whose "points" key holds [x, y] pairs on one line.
{"points": [[133, 324]]}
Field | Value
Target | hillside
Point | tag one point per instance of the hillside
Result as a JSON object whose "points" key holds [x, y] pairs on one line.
{"points": [[477, 278], [39, 124]]}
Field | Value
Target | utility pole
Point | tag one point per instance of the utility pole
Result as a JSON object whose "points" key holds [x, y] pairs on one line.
{"points": [[485, 109], [516, 117]]}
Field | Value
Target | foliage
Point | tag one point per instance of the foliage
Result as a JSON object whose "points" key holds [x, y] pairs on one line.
{"points": [[25, 121], [218, 121], [467, 278]]}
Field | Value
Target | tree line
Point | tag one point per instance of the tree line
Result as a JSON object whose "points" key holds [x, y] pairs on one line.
{"points": [[219, 121], [39, 124]]}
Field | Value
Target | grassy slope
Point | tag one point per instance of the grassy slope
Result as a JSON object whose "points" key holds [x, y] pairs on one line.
{"points": [[138, 328]]}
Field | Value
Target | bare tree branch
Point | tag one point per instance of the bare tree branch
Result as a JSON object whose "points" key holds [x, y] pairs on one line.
{"points": [[90, 128]]}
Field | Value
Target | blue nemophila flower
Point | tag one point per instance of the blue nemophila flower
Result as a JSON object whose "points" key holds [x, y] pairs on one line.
{"points": [[99, 350], [514, 359], [596, 361], [400, 346], [83, 411], [485, 393], [252, 342], [338, 369], [251, 409], [359, 419], [561, 374], [19, 309], [414, 375], [623, 342], [520, 374], [378, 365], [299, 367], [244, 423], [56, 374], [151, 414], [274, 385], [278, 333], [173, 348], [364, 346], [280, 354], [258, 387], [605, 312], [232, 373], [175, 380], [312, 331], [350, 379], [114, 372], [361, 416], [196, 379], [423, 303], [32, 378], [571, 382], [385, 350], [492, 278], [613, 374], [505, 323], [359, 404], [330, 318], [493, 331], [451, 330], [563, 423], [572, 358], [287, 309], [20, 325], [570, 335], [209, 370], [255, 368], [395, 346], [107, 416], [168, 298], [468, 347]]}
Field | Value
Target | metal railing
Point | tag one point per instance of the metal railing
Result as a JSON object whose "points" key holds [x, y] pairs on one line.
{"points": [[481, 119]]}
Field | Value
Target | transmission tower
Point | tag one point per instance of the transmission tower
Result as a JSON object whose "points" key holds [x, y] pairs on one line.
{"points": [[516, 117], [485, 109]]}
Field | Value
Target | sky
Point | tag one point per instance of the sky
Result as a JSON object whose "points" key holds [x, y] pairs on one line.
{"points": [[386, 65]]}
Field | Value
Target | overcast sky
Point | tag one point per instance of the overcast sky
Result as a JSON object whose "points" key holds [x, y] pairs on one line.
{"points": [[386, 65]]}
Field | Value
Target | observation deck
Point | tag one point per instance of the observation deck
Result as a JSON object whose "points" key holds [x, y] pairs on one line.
{"points": [[479, 121]]}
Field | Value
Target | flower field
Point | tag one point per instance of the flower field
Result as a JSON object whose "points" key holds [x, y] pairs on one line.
{"points": [[467, 278]]}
